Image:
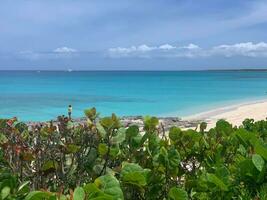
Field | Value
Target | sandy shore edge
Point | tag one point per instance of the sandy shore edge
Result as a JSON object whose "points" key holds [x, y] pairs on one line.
{"points": [[235, 113]]}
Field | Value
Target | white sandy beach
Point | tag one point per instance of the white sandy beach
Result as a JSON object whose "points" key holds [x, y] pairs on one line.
{"points": [[235, 114]]}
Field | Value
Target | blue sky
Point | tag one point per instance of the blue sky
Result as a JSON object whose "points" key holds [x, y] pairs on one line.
{"points": [[133, 34]]}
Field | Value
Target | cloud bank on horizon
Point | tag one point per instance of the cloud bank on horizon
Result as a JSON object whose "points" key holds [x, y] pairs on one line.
{"points": [[133, 35], [248, 49]]}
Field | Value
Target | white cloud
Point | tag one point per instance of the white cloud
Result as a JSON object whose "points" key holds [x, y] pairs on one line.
{"points": [[166, 47], [64, 50], [248, 49], [145, 48], [122, 50], [165, 50], [245, 49], [132, 49], [191, 46]]}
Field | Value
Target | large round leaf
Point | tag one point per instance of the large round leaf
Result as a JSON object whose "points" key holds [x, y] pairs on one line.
{"points": [[177, 194], [258, 162], [120, 136], [79, 194], [5, 192], [132, 131], [134, 174], [109, 185], [175, 133]]}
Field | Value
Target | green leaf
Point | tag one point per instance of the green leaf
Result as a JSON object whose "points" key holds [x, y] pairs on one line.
{"points": [[244, 136], [78, 194], [177, 194], [38, 195], [135, 178], [258, 162], [144, 138], [62, 197], [3, 139], [110, 122], [72, 148], [52, 198], [222, 173], [263, 192], [90, 159], [5, 192], [203, 126], [103, 197], [223, 127], [21, 126], [107, 122], [132, 131], [169, 159], [212, 178], [242, 150], [175, 133], [114, 151], [109, 185], [247, 169], [93, 192], [101, 130], [90, 113], [70, 125], [174, 158], [134, 174], [24, 188], [50, 165], [260, 148], [163, 154], [150, 123], [120, 137], [98, 168], [102, 149]]}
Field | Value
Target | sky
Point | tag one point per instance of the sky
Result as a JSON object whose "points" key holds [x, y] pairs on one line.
{"points": [[133, 34]]}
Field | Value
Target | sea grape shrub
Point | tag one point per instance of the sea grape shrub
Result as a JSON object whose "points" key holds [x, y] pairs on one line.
{"points": [[260, 127], [101, 159], [203, 126]]}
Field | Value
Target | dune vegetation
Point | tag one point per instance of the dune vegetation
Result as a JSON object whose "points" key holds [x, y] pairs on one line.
{"points": [[102, 160]]}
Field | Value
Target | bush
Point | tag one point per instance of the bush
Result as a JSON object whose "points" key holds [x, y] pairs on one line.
{"points": [[101, 159]]}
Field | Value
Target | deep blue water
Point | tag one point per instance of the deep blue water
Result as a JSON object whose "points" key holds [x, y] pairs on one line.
{"points": [[43, 95]]}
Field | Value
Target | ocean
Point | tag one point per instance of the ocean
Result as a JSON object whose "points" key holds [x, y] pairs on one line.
{"points": [[43, 95]]}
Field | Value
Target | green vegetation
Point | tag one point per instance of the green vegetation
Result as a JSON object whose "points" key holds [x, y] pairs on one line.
{"points": [[101, 160]]}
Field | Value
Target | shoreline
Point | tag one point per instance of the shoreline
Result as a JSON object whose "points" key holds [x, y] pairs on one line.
{"points": [[235, 113]]}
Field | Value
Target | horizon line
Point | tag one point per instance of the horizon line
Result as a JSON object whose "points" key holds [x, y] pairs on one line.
{"points": [[121, 70]]}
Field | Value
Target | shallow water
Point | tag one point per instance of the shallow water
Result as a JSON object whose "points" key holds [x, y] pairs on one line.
{"points": [[44, 95]]}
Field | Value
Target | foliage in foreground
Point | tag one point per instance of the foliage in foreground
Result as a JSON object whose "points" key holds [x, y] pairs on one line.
{"points": [[103, 160]]}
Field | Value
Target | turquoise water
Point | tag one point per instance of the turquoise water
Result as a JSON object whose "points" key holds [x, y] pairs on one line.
{"points": [[43, 95]]}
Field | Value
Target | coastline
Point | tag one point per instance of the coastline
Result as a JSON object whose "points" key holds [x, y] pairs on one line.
{"points": [[235, 113]]}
